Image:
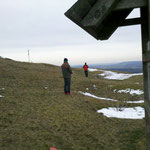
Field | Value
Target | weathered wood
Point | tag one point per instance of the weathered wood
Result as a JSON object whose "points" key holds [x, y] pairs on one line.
{"points": [[99, 12], [110, 25], [128, 22], [146, 70], [99, 19], [146, 56], [79, 10], [149, 20], [130, 4], [92, 2]]}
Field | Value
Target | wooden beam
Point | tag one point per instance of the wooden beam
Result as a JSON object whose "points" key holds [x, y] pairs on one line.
{"points": [[146, 56], [129, 4], [128, 22], [101, 18], [146, 70], [99, 12]]}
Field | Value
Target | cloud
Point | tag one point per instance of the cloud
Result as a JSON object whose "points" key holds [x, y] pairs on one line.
{"points": [[40, 25], [33, 22]]}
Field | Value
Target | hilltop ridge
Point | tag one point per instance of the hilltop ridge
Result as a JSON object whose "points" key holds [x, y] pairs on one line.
{"points": [[35, 113]]}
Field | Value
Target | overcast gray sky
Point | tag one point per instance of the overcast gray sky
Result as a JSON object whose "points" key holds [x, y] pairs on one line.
{"points": [[41, 27]]}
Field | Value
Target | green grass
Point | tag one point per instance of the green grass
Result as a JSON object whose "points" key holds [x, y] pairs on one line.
{"points": [[36, 115]]}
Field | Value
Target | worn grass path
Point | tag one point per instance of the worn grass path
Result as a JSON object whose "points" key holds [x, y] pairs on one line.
{"points": [[35, 114]]}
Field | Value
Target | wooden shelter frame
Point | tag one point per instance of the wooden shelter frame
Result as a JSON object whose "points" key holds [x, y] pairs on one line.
{"points": [[91, 26]]}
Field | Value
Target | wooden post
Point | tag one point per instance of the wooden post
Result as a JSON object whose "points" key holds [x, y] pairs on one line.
{"points": [[28, 55], [146, 68], [101, 21]]}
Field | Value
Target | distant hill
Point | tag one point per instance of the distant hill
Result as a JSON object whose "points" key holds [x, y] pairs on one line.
{"points": [[129, 66]]}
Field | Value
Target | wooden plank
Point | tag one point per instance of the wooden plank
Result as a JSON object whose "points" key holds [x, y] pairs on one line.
{"points": [[78, 11], [128, 22], [110, 25], [92, 2], [99, 12], [149, 20], [146, 56], [130, 4], [146, 70], [101, 18]]}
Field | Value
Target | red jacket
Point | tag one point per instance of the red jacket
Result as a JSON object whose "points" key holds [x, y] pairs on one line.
{"points": [[85, 67]]}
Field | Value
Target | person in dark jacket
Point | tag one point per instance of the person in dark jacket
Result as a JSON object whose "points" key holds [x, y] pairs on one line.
{"points": [[85, 67], [66, 71]]}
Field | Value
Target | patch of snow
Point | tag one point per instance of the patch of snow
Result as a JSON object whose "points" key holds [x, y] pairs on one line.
{"points": [[109, 99], [92, 69], [130, 91], [115, 90], [137, 92], [117, 76], [135, 102], [94, 86], [87, 89], [1, 96], [137, 83], [91, 95], [123, 113], [2, 88], [45, 87]]}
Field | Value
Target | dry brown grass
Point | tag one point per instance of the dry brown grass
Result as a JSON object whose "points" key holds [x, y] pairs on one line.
{"points": [[36, 115]]}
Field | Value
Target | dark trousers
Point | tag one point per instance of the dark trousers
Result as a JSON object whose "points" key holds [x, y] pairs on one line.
{"points": [[86, 73], [67, 84]]}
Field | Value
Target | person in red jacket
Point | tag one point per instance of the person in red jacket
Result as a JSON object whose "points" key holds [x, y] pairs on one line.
{"points": [[85, 67]]}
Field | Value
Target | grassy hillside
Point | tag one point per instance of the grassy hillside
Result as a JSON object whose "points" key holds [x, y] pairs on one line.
{"points": [[36, 115]]}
